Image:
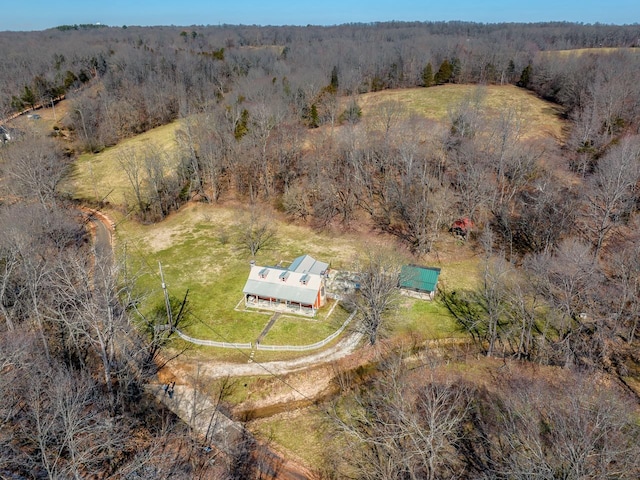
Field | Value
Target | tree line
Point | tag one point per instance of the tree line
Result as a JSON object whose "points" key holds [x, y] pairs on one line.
{"points": [[150, 76]]}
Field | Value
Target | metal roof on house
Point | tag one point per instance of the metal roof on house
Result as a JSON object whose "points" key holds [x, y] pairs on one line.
{"points": [[306, 263], [274, 284], [415, 277]]}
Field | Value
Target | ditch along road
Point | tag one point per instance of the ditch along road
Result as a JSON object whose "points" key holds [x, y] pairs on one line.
{"points": [[200, 412]]}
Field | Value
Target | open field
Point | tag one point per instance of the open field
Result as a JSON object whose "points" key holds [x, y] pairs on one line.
{"points": [[589, 51], [96, 177], [539, 118]]}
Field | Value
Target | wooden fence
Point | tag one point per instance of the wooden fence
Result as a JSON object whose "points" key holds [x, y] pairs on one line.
{"points": [[212, 343], [259, 346]]}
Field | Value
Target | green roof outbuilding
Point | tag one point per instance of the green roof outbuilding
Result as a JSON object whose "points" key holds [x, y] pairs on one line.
{"points": [[420, 279]]}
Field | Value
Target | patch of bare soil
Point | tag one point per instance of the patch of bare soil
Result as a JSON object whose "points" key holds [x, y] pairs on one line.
{"points": [[287, 384]]}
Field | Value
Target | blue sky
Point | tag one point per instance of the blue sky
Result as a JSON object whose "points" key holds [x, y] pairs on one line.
{"points": [[41, 14]]}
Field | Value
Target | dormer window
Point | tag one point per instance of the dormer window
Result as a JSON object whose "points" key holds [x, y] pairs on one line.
{"points": [[284, 275], [304, 279], [263, 273]]}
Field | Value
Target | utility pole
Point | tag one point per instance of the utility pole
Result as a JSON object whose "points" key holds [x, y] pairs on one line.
{"points": [[166, 299]]}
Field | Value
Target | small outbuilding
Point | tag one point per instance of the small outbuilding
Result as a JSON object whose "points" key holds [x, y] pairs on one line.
{"points": [[462, 227], [420, 282]]}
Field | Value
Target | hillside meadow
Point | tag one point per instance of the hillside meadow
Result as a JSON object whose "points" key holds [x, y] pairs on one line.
{"points": [[578, 52], [538, 118], [100, 177]]}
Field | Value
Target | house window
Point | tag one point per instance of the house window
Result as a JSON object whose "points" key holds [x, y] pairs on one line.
{"points": [[284, 276], [263, 273], [304, 279]]}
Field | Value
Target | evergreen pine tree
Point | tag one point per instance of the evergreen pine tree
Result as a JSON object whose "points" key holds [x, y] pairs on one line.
{"points": [[28, 97], [314, 118], [511, 71], [444, 73], [427, 75], [525, 77], [333, 84]]}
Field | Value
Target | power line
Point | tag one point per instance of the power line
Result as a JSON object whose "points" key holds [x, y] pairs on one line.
{"points": [[261, 365], [241, 351]]}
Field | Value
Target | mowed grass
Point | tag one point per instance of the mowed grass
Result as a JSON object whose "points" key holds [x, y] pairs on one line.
{"points": [[200, 250], [100, 177], [193, 258], [425, 320], [538, 117]]}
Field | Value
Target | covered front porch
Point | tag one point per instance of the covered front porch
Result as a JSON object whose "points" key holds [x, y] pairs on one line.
{"points": [[279, 305]]}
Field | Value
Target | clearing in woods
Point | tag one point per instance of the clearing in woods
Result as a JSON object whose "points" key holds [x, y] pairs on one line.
{"points": [[200, 249]]}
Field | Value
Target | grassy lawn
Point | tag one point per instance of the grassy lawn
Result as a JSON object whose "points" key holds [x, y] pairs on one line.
{"points": [[290, 330], [194, 257], [425, 320], [199, 250]]}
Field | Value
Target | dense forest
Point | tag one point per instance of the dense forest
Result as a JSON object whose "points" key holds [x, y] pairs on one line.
{"points": [[557, 226]]}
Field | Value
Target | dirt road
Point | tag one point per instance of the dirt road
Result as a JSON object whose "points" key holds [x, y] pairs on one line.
{"points": [[344, 347]]}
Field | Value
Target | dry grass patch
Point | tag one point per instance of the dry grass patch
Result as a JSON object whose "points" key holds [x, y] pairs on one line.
{"points": [[539, 117], [300, 435], [99, 176], [578, 52]]}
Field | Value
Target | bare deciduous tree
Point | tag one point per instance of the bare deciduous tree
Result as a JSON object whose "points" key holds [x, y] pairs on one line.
{"points": [[377, 294], [258, 233], [132, 166], [403, 425], [580, 431], [32, 168], [610, 196]]}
